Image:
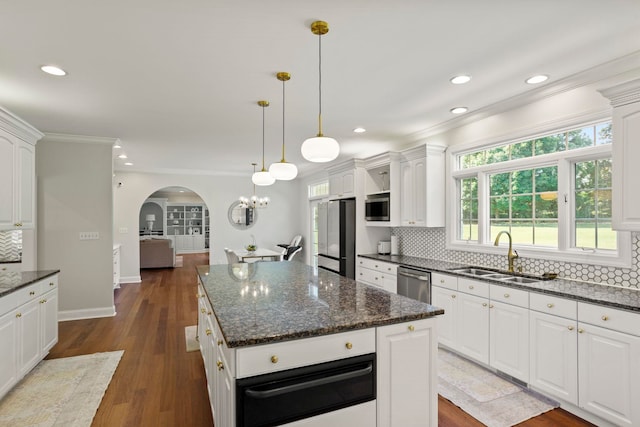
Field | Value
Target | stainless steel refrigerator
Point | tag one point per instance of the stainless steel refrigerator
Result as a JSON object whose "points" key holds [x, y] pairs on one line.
{"points": [[337, 237]]}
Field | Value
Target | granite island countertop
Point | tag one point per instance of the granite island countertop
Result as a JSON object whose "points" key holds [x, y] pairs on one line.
{"points": [[603, 294], [13, 280], [269, 302]]}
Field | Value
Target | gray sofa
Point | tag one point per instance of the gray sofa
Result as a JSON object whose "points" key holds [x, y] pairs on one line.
{"points": [[157, 253]]}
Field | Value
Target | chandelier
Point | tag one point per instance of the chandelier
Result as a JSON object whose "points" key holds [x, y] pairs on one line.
{"points": [[254, 201]]}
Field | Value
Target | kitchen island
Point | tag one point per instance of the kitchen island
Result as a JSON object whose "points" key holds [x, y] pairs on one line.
{"points": [[273, 318]]}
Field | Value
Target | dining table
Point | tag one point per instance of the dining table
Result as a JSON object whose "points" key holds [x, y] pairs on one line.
{"points": [[259, 254]]}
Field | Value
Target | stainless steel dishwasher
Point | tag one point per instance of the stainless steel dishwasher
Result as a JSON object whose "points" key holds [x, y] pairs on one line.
{"points": [[414, 284]]}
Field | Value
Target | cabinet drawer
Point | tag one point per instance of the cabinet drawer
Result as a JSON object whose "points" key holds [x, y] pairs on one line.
{"points": [[611, 318], [553, 305], [375, 278], [473, 287], [267, 358], [8, 303], [383, 267], [509, 295], [445, 281], [225, 354], [49, 283], [28, 293]]}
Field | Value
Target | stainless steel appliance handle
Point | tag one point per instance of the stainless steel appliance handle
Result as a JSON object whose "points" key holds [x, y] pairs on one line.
{"points": [[414, 276], [256, 394]]}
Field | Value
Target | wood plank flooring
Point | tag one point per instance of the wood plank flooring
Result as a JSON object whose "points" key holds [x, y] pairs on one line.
{"points": [[157, 382]]}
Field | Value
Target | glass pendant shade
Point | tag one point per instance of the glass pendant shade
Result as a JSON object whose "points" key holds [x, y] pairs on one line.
{"points": [[283, 171], [320, 149], [262, 178]]}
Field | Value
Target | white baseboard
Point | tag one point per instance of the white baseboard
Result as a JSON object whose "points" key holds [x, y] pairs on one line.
{"points": [[131, 279], [90, 313]]}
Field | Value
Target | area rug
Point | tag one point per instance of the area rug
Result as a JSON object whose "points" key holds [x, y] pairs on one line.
{"points": [[485, 396], [60, 392], [191, 339]]}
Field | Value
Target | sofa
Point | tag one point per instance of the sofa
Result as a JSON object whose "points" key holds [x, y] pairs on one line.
{"points": [[157, 253]]}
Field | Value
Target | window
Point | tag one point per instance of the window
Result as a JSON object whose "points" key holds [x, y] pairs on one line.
{"points": [[319, 190], [552, 193]]}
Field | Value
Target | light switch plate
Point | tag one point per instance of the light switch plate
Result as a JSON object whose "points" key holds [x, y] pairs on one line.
{"points": [[89, 235]]}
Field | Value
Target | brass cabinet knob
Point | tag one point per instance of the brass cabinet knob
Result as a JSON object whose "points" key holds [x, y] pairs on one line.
{"points": [[220, 342], [274, 359], [376, 265], [470, 286], [376, 278], [411, 328], [580, 330], [441, 280], [453, 296], [490, 305], [52, 284], [570, 328], [209, 313], [506, 295], [550, 305], [18, 314], [220, 365], [349, 346], [605, 318], [32, 293], [208, 331], [202, 310], [388, 268], [361, 273], [484, 304]]}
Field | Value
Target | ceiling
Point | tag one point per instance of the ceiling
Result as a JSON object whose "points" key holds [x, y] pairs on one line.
{"points": [[178, 81]]}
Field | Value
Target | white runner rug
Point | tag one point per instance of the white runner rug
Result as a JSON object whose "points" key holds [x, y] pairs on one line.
{"points": [[63, 392], [190, 338], [484, 395]]}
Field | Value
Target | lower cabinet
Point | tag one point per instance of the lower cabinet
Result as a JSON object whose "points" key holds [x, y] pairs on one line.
{"points": [[407, 373], [377, 273], [473, 327], [28, 329]]}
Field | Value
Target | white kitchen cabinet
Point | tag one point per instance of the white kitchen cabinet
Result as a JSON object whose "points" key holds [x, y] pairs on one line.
{"points": [[609, 363], [116, 266], [342, 184], [49, 320], [422, 187], [17, 183], [472, 327], [378, 273], [8, 353], [406, 373], [509, 331], [446, 299], [625, 99], [29, 336], [189, 243]]}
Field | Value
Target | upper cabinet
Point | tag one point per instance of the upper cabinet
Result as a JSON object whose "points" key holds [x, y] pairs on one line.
{"points": [[343, 179], [17, 172], [625, 99], [422, 187]]}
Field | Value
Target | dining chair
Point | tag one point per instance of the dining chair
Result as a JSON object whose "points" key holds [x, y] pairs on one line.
{"points": [[290, 252], [232, 257]]}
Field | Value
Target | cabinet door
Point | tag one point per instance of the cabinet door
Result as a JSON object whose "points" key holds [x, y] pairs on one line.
{"points": [[472, 328], [28, 336], [626, 151], [25, 203], [407, 375], [406, 193], [447, 300], [608, 372], [49, 320], [7, 181], [8, 352], [509, 339], [554, 356], [348, 184], [419, 167]]}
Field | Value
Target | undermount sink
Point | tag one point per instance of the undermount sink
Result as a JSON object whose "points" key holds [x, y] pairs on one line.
{"points": [[497, 275]]}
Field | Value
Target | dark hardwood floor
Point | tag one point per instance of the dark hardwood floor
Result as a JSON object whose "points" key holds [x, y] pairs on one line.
{"points": [[157, 382]]}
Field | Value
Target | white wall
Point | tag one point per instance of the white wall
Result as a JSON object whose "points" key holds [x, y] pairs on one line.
{"points": [[74, 195], [276, 224]]}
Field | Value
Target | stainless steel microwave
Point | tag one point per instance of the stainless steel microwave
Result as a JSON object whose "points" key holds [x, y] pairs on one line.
{"points": [[377, 207]]}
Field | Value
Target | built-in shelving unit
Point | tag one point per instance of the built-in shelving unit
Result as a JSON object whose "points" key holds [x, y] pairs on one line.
{"points": [[185, 219]]}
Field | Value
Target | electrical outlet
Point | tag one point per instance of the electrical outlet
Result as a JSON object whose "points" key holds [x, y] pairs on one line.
{"points": [[124, 230], [89, 235]]}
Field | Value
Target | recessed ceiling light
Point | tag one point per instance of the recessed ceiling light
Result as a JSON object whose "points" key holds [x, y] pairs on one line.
{"points": [[536, 79], [461, 79], [122, 156], [53, 70], [359, 130], [459, 110], [128, 164]]}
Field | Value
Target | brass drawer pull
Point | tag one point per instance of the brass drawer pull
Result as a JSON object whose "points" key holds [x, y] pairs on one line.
{"points": [[605, 318], [506, 295], [570, 328], [220, 365], [484, 304], [349, 346], [208, 331], [470, 286], [32, 293], [411, 328], [550, 305], [274, 359]]}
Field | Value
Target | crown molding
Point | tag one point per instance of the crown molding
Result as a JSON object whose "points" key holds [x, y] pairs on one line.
{"points": [[80, 139], [623, 94], [18, 127]]}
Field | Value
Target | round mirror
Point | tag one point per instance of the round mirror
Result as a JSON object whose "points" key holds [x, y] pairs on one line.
{"points": [[240, 217]]}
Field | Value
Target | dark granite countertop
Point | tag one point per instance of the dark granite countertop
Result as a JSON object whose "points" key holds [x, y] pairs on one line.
{"points": [[280, 301], [613, 296], [12, 281]]}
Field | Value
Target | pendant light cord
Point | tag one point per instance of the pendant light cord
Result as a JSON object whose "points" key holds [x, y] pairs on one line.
{"points": [[283, 160], [319, 84], [263, 169]]}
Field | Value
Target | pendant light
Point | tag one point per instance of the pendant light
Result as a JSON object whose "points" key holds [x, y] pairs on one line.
{"points": [[283, 170], [254, 201], [263, 177], [320, 149]]}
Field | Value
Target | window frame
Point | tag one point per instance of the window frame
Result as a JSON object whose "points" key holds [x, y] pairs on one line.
{"points": [[566, 210]]}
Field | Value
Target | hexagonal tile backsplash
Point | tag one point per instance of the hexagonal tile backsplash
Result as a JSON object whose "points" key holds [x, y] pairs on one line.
{"points": [[431, 243]]}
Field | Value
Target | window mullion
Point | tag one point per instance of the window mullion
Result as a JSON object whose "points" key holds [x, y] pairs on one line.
{"points": [[566, 211], [483, 207]]}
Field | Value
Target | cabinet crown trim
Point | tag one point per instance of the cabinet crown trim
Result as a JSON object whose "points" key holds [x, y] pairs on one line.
{"points": [[623, 94]]}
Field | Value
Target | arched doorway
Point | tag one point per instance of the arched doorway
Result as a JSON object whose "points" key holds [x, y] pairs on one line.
{"points": [[173, 222]]}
